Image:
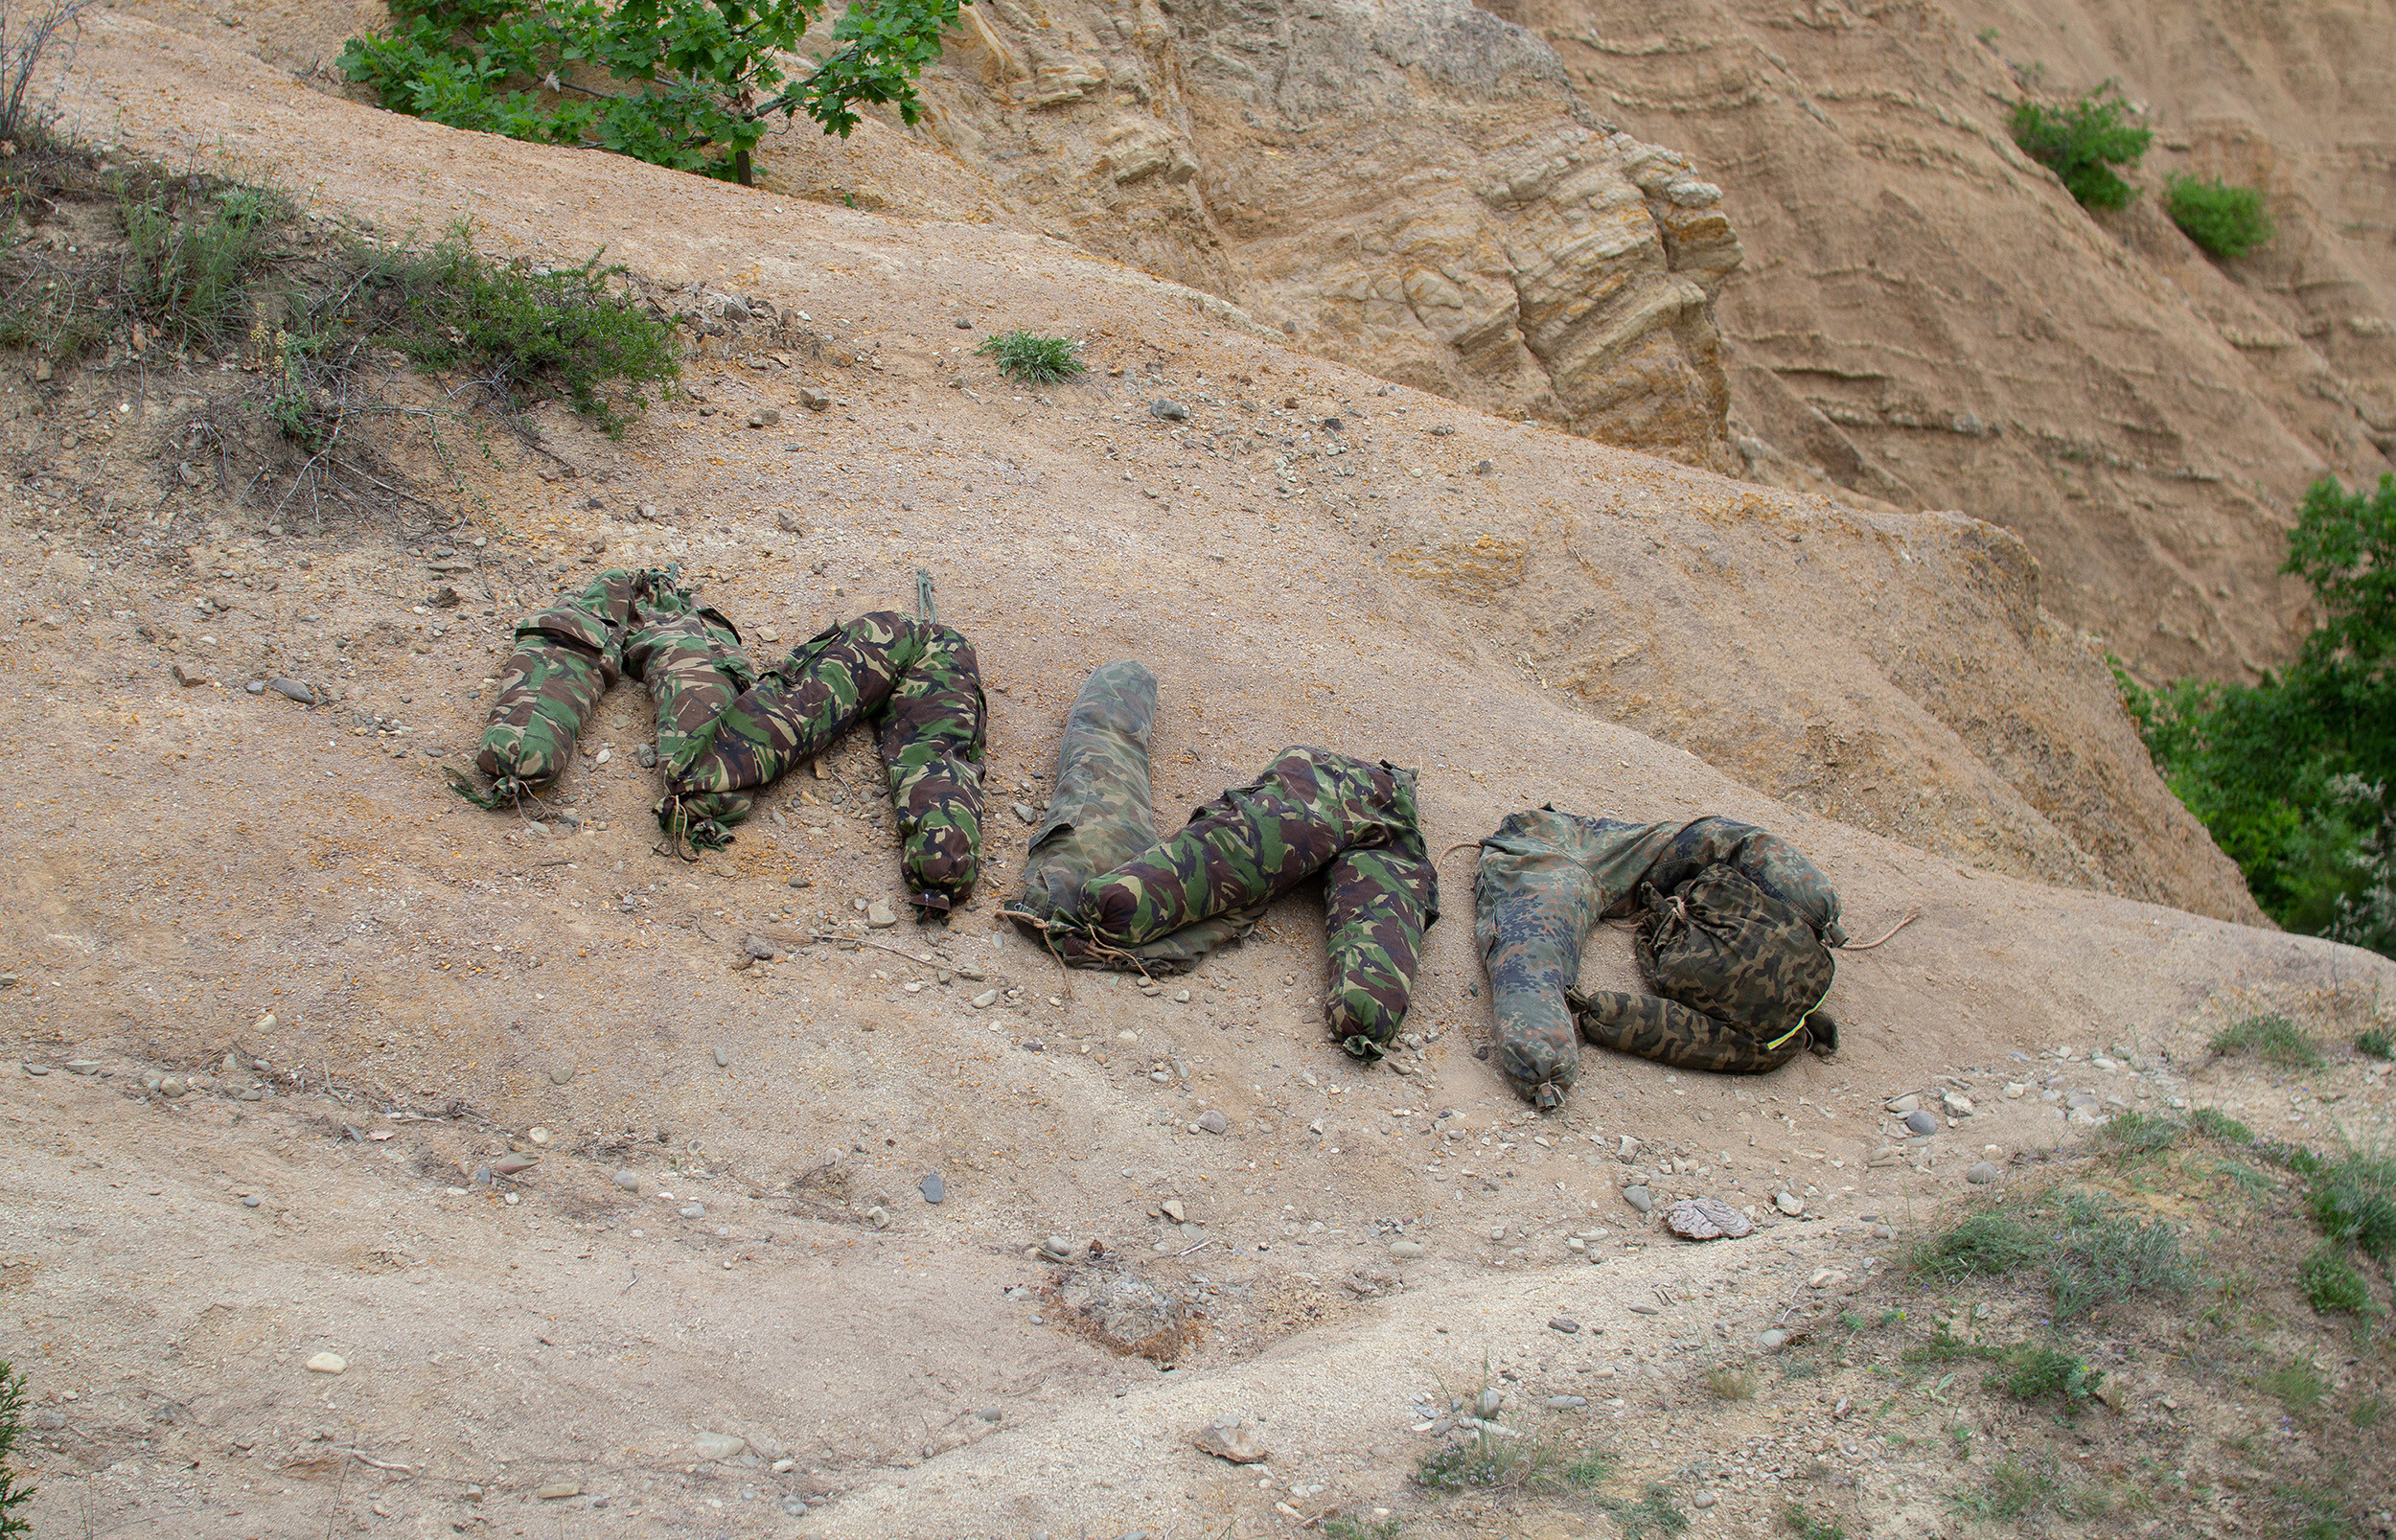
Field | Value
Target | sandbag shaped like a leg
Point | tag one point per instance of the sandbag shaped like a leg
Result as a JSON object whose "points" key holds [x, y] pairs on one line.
{"points": [[692, 660], [1376, 906], [1101, 814], [1256, 843], [1668, 1032], [920, 682], [565, 658]]}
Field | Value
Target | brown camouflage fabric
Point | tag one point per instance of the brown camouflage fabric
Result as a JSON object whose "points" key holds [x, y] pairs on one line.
{"points": [[1547, 877], [1164, 907]]}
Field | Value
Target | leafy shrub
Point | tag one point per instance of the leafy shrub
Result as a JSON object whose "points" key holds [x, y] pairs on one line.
{"points": [[13, 1494], [2295, 776], [2330, 1282], [2083, 143], [688, 83], [2270, 1036], [188, 269], [1035, 360], [2226, 220]]}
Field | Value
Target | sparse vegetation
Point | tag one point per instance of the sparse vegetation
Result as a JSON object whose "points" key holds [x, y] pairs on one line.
{"points": [[2353, 1199], [15, 1494], [692, 84], [2296, 1383], [2035, 1373], [1730, 1382], [24, 40], [1033, 358], [1342, 1527], [2133, 1134], [2272, 1038], [1508, 1461], [2295, 776], [1806, 1527], [1653, 1512], [2376, 1042], [2083, 143], [2226, 220], [2214, 1124], [2091, 1255], [2331, 1284], [1983, 1244], [2014, 1491]]}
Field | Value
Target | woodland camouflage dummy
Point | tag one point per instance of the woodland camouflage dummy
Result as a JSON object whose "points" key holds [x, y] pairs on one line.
{"points": [[1102, 891], [726, 726], [1736, 927]]}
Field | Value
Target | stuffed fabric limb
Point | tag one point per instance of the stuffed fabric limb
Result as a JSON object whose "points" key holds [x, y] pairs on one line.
{"points": [[1668, 1032], [1101, 814], [1376, 906], [919, 681], [692, 660], [565, 658]]}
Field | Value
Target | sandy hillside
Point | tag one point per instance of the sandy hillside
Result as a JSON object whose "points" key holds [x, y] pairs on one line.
{"points": [[720, 1302]]}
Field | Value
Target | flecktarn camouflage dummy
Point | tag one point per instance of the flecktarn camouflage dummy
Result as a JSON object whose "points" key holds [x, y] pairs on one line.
{"points": [[1102, 891], [727, 727], [1736, 931]]}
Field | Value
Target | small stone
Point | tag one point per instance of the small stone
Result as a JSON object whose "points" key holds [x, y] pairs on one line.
{"points": [[1703, 1500], [1563, 1323], [1240, 1443], [1566, 1403], [1181, 996], [1824, 1276], [1058, 1246], [563, 1074], [722, 1058], [720, 1445], [250, 1200], [933, 1189], [256, 687], [972, 971], [1645, 1310], [558, 1489], [758, 947], [1774, 1339], [879, 916], [629, 1180], [1788, 1203], [1902, 1105], [294, 690], [1214, 1122], [1919, 1121], [1625, 1148], [985, 1000], [693, 1210], [1406, 1251], [36, 1068], [645, 757], [797, 881], [326, 1364], [814, 400], [81, 1067], [1024, 813], [1171, 411], [1173, 1210], [1639, 1197], [187, 675], [764, 417], [878, 1216], [1956, 1106], [513, 1165], [1704, 1219], [1982, 1174]]}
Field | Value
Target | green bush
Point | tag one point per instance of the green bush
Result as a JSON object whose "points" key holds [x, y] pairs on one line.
{"points": [[2376, 1042], [2083, 143], [2273, 1038], [187, 268], [2353, 1199], [2295, 776], [1984, 1244], [2226, 220], [13, 1494], [1033, 359], [686, 84], [2033, 1373], [2330, 1282]]}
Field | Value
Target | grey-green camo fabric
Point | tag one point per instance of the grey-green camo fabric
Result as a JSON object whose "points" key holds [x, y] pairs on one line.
{"points": [[1546, 880]]}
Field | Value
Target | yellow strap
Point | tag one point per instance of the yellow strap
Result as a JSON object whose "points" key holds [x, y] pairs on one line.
{"points": [[1810, 1010]]}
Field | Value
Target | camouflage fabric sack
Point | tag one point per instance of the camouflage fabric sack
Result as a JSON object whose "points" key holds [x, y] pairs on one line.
{"points": [[1311, 810], [565, 658], [1739, 979], [920, 684], [1547, 877]]}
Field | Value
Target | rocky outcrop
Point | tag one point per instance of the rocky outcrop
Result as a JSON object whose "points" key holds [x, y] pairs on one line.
{"points": [[1410, 188]]}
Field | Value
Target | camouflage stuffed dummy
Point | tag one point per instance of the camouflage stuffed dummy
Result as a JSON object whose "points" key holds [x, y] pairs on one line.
{"points": [[917, 681], [1735, 930], [1103, 892], [726, 726]]}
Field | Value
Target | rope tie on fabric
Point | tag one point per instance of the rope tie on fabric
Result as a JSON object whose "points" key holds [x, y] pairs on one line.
{"points": [[1911, 915], [923, 611]]}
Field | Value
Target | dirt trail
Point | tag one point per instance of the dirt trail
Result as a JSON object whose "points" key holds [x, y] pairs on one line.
{"points": [[189, 860]]}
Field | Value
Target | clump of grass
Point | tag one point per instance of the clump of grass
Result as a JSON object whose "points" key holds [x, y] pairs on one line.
{"points": [[2368, 1412], [2376, 1042], [1033, 358], [2214, 1124], [2033, 1374], [2297, 1385], [1730, 1383], [1986, 1244], [1653, 1513], [1806, 1527], [2353, 1199], [2012, 1491], [2099, 1256], [2330, 1282], [1494, 1461], [15, 1495], [2226, 220], [1341, 1526], [2132, 1136], [2315, 1510], [1946, 1348], [2273, 1038]]}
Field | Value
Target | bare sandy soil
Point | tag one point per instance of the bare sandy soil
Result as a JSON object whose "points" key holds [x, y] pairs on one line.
{"points": [[189, 861]]}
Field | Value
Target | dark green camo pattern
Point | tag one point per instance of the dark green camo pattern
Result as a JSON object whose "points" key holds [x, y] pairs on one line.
{"points": [[1167, 905], [917, 681], [1739, 977], [1546, 880], [565, 658]]}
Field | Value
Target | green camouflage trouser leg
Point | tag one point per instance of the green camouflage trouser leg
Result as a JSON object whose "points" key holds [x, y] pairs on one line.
{"points": [[1311, 810], [565, 658], [692, 660], [1546, 880], [918, 681]]}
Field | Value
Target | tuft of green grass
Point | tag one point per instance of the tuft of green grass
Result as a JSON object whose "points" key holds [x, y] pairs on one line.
{"points": [[1492, 1461], [1033, 358], [2376, 1042], [2273, 1038], [1984, 1244], [1806, 1527], [1653, 1513], [2368, 1412], [2297, 1385], [2353, 1199], [2013, 1489], [2226, 220], [15, 1495], [2099, 1256], [2033, 1374], [2132, 1136], [2330, 1282], [1341, 1526], [1730, 1382], [2314, 1508], [2214, 1124]]}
